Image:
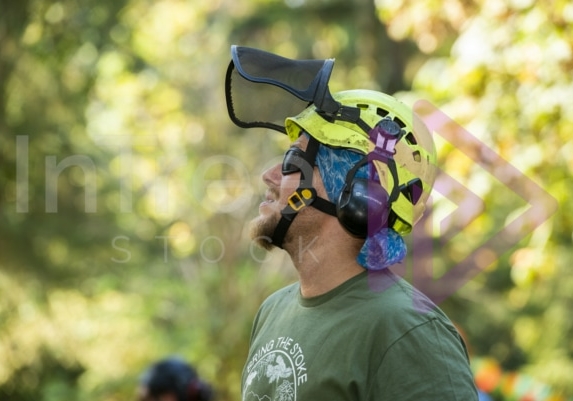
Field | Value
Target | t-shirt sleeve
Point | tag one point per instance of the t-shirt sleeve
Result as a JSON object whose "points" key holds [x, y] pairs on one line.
{"points": [[428, 363]]}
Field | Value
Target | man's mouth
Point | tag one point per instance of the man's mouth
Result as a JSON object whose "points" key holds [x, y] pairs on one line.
{"points": [[270, 197]]}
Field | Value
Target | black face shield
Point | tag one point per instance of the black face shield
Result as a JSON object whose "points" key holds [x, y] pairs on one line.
{"points": [[262, 89]]}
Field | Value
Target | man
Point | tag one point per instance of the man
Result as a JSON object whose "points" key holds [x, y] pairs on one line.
{"points": [[354, 180]]}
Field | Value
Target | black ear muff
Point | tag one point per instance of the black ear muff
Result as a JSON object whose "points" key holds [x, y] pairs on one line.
{"points": [[363, 206]]}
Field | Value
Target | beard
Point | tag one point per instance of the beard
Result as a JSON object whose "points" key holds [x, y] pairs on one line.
{"points": [[262, 229]]}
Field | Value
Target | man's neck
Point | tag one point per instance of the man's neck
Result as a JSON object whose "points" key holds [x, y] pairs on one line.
{"points": [[323, 263]]}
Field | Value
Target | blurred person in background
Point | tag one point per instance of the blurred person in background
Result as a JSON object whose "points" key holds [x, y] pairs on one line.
{"points": [[354, 181], [173, 379]]}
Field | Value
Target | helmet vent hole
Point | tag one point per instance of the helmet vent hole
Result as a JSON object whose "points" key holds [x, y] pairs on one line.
{"points": [[399, 122], [381, 112], [411, 139], [362, 106], [413, 190], [417, 156]]}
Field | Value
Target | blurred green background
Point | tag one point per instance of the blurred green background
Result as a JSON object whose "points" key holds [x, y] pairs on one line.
{"points": [[124, 187]]}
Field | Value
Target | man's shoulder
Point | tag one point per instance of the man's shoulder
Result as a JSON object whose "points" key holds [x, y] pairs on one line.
{"points": [[391, 290], [391, 297], [285, 294]]}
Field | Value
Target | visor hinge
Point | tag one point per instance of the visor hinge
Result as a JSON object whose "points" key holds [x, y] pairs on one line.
{"points": [[350, 114]]}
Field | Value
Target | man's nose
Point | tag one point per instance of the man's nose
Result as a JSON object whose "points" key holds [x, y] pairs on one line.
{"points": [[272, 176]]}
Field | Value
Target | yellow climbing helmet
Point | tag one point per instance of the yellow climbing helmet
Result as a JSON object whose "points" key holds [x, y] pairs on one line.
{"points": [[414, 152]]}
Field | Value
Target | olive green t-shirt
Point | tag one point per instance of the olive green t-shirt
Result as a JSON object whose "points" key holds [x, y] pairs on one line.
{"points": [[372, 338]]}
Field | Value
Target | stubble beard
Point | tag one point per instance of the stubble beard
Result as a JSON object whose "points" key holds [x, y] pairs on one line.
{"points": [[262, 229]]}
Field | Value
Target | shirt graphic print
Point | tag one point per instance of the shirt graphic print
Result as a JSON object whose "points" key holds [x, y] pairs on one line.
{"points": [[275, 371]]}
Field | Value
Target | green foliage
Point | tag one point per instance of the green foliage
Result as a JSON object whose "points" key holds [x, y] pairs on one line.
{"points": [[507, 79], [125, 188]]}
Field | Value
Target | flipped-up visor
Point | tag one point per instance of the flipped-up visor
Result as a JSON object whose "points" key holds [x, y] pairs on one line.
{"points": [[263, 89]]}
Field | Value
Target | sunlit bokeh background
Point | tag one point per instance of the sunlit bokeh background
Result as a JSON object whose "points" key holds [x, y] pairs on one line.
{"points": [[124, 187]]}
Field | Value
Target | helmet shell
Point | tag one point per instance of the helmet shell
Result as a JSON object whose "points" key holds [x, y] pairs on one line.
{"points": [[415, 153]]}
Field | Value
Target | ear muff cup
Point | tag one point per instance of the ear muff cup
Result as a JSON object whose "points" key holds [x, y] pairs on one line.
{"points": [[363, 206]]}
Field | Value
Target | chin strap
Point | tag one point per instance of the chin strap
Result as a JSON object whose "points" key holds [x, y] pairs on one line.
{"points": [[305, 195]]}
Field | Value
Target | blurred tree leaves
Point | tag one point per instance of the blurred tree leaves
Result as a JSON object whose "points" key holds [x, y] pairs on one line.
{"points": [[502, 70], [125, 99]]}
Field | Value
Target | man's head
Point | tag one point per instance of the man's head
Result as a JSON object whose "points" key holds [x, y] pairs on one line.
{"points": [[172, 379], [376, 158]]}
